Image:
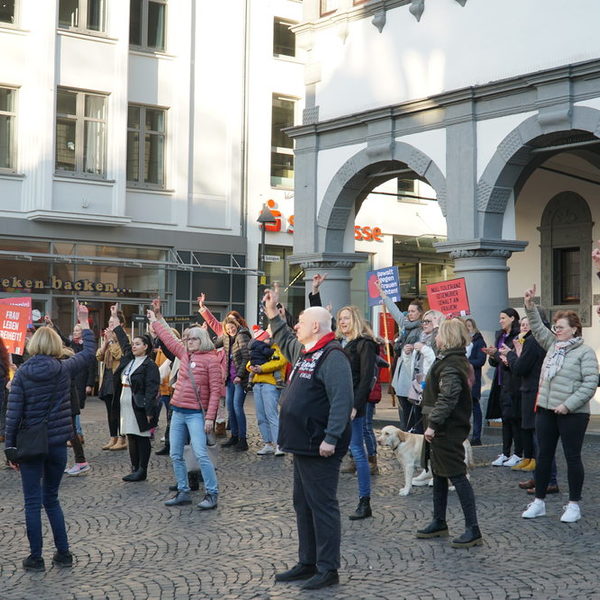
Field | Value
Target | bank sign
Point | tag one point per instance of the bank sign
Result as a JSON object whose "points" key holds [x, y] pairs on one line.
{"points": [[55, 283]]}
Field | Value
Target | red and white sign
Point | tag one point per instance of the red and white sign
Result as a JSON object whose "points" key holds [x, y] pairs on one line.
{"points": [[13, 327], [449, 297], [23, 301]]}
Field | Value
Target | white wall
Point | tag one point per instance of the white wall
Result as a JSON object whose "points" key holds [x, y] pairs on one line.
{"points": [[450, 48]]}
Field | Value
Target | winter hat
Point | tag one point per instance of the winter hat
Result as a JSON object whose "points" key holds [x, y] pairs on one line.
{"points": [[259, 334]]}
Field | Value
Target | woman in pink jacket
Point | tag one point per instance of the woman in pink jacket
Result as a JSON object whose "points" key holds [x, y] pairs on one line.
{"points": [[194, 403]]}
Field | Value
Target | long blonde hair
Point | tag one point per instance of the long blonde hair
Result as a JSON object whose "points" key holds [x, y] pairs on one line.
{"points": [[358, 326], [45, 341]]}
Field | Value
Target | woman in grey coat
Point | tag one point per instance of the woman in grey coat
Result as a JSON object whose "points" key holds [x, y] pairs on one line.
{"points": [[568, 382]]}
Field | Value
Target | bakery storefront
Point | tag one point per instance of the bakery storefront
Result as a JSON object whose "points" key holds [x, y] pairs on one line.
{"points": [[57, 274]]}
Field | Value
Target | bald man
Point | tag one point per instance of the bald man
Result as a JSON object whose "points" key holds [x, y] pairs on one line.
{"points": [[314, 426]]}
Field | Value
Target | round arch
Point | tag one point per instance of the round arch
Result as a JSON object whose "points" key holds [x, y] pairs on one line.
{"points": [[514, 161], [357, 177]]}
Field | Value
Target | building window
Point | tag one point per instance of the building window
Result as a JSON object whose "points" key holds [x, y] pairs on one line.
{"points": [[7, 11], [87, 15], [146, 146], [282, 146], [7, 128], [284, 39], [147, 24], [80, 133], [566, 237], [567, 274], [329, 6]]}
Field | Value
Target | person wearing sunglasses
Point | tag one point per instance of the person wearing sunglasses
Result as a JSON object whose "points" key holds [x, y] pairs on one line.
{"points": [[568, 381]]}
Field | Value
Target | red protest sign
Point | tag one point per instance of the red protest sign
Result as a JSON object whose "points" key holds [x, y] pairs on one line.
{"points": [[24, 301], [13, 327], [449, 297]]}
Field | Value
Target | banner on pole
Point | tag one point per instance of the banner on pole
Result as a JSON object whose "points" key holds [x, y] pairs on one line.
{"points": [[13, 327], [449, 297], [22, 301], [390, 284]]}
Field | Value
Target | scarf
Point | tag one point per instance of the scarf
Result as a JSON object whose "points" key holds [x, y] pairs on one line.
{"points": [[554, 361]]}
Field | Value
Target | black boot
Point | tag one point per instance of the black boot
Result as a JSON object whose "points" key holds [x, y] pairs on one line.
{"points": [[194, 479], [232, 441], [242, 445], [363, 510], [471, 537], [139, 475], [163, 451], [437, 528]]}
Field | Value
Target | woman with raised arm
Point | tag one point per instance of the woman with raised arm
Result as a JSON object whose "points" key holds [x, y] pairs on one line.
{"points": [[139, 397], [568, 381], [409, 328], [194, 404], [41, 389]]}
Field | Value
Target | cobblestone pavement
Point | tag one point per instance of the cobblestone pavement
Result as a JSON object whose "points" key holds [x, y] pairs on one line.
{"points": [[128, 545]]}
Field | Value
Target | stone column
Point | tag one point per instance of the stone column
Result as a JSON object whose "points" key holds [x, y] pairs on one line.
{"points": [[338, 266]]}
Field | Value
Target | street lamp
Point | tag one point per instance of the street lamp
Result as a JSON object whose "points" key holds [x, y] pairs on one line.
{"points": [[266, 216]]}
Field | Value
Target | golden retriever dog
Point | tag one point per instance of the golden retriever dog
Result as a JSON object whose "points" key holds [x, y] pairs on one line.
{"points": [[408, 448]]}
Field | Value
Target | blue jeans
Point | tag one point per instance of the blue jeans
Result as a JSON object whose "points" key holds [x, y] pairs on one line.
{"points": [[41, 480], [368, 432], [266, 398], [183, 423], [78, 428], [236, 395], [359, 454], [477, 420], [166, 401]]}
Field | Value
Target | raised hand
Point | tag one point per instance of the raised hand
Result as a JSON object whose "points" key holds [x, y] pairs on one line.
{"points": [[114, 310], [82, 315], [48, 321], [201, 298], [596, 257], [377, 285], [151, 315], [156, 306], [529, 296], [317, 280], [270, 300]]}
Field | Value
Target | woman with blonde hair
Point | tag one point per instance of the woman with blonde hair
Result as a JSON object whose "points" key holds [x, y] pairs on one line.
{"points": [[447, 411], [41, 389], [358, 342]]}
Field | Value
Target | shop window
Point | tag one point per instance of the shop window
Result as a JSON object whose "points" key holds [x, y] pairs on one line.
{"points": [[282, 146], [147, 24], [8, 118], [146, 146], [84, 15], [7, 11], [284, 39], [566, 236], [80, 133], [329, 6]]}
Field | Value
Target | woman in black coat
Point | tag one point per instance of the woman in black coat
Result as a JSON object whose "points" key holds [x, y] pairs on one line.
{"points": [[477, 358], [504, 395], [4, 378], [140, 380]]}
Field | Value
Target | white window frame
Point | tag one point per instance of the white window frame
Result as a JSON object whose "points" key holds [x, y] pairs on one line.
{"points": [[80, 120], [143, 45], [12, 168], [281, 21], [140, 183], [82, 18], [279, 149]]}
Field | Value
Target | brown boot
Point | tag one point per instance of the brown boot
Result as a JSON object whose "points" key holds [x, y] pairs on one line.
{"points": [[220, 429], [348, 465], [373, 465], [121, 444], [110, 444]]}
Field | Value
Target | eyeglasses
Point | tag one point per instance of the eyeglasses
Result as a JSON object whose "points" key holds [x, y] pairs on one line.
{"points": [[557, 328]]}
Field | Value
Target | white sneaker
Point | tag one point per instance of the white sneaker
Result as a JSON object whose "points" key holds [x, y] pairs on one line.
{"points": [[78, 469], [279, 452], [422, 479], [536, 509], [499, 461], [572, 513], [512, 461], [266, 449]]}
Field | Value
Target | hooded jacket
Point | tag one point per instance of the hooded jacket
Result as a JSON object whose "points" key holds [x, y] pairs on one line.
{"points": [[44, 382]]}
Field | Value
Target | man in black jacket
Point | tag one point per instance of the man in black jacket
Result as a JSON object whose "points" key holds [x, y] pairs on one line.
{"points": [[314, 426]]}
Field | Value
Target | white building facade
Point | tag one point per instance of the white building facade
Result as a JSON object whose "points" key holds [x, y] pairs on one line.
{"points": [[494, 104], [136, 146]]}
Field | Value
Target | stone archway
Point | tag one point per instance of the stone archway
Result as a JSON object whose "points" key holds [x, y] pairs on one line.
{"points": [[514, 160], [357, 177]]}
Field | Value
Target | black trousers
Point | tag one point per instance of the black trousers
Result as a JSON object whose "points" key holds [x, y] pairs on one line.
{"points": [[317, 510], [571, 429], [113, 413], [511, 432], [139, 451], [77, 446], [411, 419]]}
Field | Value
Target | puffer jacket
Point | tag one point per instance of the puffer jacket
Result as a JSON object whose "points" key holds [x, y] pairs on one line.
{"points": [[33, 389], [277, 363], [575, 384], [207, 370]]}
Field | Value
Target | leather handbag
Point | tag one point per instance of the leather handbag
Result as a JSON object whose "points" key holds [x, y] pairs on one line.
{"points": [[32, 441]]}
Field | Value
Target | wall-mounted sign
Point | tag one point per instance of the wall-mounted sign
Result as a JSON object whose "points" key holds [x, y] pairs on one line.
{"points": [[271, 258], [82, 285], [365, 234]]}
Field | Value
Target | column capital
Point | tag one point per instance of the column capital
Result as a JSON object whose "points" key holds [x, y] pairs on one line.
{"points": [[481, 248], [328, 260]]}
